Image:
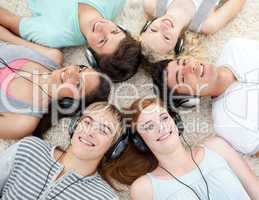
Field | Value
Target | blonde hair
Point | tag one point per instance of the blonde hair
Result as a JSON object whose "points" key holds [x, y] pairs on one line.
{"points": [[104, 106]]}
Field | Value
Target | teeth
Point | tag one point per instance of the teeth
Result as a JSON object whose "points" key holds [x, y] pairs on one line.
{"points": [[86, 142]]}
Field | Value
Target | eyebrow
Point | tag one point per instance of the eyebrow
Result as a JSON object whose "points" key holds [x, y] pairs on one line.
{"points": [[104, 125], [147, 122], [177, 76], [162, 114]]}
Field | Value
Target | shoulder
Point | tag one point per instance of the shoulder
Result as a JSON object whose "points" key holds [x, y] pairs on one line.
{"points": [[32, 142], [141, 188], [104, 190], [220, 146]]}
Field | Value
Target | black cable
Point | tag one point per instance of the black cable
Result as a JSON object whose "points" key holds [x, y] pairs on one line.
{"points": [[181, 182], [14, 71], [45, 183], [207, 187], [206, 183]]}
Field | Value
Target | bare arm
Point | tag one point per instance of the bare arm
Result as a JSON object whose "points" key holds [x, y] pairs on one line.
{"points": [[15, 126], [237, 164], [141, 189], [221, 16]]}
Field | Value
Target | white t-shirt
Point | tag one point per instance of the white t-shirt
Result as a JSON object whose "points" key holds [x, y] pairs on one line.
{"points": [[235, 112]]}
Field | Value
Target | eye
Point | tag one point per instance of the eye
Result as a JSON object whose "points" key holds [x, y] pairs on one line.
{"points": [[149, 127], [167, 38], [101, 41], [115, 31], [165, 118], [153, 30]]}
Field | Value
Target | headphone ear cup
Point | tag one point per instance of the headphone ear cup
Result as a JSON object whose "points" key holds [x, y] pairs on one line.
{"points": [[116, 150], [139, 143], [177, 120], [190, 102], [179, 47], [89, 55]]}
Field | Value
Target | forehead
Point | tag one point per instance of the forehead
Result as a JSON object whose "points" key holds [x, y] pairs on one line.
{"points": [[172, 68], [102, 115], [112, 44], [154, 41], [150, 113]]}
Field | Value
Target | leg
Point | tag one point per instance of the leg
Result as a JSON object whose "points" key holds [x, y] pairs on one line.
{"points": [[54, 54], [10, 21]]}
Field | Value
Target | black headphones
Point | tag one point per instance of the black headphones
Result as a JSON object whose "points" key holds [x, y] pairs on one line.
{"points": [[91, 56], [114, 151], [179, 47], [139, 142], [68, 102]]}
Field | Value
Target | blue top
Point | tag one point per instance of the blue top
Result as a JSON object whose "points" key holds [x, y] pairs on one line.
{"points": [[223, 183], [55, 23]]}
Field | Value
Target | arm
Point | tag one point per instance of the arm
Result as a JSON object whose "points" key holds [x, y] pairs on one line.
{"points": [[221, 16], [24, 125], [54, 54], [149, 8], [237, 164], [141, 189], [6, 164]]}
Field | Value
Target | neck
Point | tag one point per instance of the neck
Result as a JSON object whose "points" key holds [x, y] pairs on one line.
{"points": [[174, 161], [86, 15], [181, 11], [224, 80], [82, 167]]}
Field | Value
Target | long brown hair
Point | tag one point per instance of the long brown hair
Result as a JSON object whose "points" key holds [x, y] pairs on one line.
{"points": [[132, 163]]}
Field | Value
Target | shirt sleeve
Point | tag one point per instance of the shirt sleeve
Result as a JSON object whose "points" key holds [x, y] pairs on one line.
{"points": [[7, 160]]}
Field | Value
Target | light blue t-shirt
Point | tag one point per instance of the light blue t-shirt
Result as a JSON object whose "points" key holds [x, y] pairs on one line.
{"points": [[222, 182], [55, 23]]}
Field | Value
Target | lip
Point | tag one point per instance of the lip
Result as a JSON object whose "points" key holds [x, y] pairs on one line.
{"points": [[86, 142], [164, 137]]}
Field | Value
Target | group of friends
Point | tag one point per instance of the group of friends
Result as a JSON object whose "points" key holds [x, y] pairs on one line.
{"points": [[144, 148]]}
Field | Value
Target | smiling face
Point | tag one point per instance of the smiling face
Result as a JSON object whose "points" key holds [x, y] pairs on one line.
{"points": [[191, 77], [161, 35], [74, 82], [157, 129], [94, 134], [104, 36]]}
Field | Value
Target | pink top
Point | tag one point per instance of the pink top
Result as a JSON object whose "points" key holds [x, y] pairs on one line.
{"points": [[6, 74]]}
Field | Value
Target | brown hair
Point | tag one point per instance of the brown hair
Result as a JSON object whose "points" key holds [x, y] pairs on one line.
{"points": [[123, 63], [132, 163]]}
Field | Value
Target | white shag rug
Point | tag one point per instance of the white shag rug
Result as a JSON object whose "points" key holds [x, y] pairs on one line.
{"points": [[198, 120]]}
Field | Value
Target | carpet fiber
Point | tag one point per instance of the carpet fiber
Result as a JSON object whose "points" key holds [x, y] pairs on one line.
{"points": [[198, 120]]}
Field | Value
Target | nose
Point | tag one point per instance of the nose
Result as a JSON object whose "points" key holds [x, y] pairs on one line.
{"points": [[164, 26], [105, 28], [162, 127]]}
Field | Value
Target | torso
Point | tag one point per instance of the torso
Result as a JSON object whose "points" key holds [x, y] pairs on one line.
{"points": [[235, 112], [221, 180], [17, 83]]}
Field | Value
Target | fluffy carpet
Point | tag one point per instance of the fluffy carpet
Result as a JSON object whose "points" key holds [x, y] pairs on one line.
{"points": [[198, 120]]}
